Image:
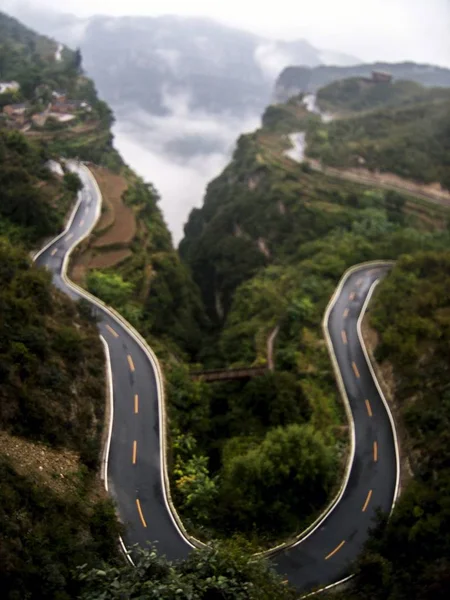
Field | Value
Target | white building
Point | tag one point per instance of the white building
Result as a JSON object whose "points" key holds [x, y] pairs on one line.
{"points": [[9, 86]]}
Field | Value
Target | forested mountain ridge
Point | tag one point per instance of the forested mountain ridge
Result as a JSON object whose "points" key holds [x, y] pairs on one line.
{"points": [[54, 103], [232, 214], [267, 248], [360, 94], [148, 255], [399, 129], [219, 68], [54, 514], [303, 79]]}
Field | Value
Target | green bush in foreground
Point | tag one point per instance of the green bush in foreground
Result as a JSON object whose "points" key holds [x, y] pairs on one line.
{"points": [[221, 573]]}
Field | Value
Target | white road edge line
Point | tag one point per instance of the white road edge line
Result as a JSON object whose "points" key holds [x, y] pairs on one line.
{"points": [[380, 391], [328, 587], [110, 392], [304, 535], [190, 540], [105, 458], [68, 226], [126, 552]]}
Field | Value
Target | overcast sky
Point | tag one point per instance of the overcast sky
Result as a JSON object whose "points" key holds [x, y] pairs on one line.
{"points": [[370, 29]]}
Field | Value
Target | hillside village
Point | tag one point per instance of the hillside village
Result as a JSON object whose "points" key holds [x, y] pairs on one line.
{"points": [[49, 109]]}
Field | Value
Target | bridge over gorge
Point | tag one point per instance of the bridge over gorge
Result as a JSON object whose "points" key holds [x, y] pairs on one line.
{"points": [[240, 372], [228, 374]]}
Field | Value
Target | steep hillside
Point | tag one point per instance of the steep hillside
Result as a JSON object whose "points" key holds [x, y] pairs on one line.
{"points": [[150, 274], [53, 516], [410, 555], [359, 94], [297, 80], [266, 249], [33, 201], [410, 139], [54, 513], [129, 262], [55, 103]]}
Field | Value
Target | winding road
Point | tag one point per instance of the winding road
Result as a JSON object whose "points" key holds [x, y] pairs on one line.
{"points": [[134, 462]]}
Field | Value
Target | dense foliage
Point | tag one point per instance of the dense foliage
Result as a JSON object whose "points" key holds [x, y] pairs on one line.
{"points": [[224, 572], [46, 536], [52, 391], [409, 140], [51, 361], [295, 80], [409, 556], [266, 249], [153, 288], [362, 94], [29, 59], [32, 200]]}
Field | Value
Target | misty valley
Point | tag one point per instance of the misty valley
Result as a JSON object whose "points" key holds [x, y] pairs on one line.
{"points": [[224, 311]]}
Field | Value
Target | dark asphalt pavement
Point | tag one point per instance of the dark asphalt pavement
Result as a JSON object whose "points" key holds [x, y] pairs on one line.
{"points": [[134, 467]]}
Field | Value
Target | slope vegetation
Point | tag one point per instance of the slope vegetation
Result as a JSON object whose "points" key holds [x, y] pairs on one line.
{"points": [[359, 94], [267, 248], [52, 516], [410, 554], [410, 140]]}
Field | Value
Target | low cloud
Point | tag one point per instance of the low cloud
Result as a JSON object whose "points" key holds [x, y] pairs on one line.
{"points": [[272, 59], [179, 153], [170, 56]]}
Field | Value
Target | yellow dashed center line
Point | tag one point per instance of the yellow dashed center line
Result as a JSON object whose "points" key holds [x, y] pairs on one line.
{"points": [[130, 363], [111, 330], [136, 404], [81, 222], [70, 236], [366, 503], [54, 251], [335, 550], [134, 452], [355, 370], [346, 311], [369, 408], [375, 451], [344, 337], [138, 504], [352, 296]]}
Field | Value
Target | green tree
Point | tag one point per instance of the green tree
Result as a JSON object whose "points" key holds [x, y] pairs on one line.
{"points": [[224, 572], [73, 182], [281, 480]]}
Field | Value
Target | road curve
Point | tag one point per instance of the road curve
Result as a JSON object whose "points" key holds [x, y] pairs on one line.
{"points": [[135, 469]]}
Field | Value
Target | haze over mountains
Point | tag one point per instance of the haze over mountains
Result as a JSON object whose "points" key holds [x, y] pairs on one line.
{"points": [[182, 90]]}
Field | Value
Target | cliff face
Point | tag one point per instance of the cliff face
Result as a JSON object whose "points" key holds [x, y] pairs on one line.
{"points": [[296, 80]]}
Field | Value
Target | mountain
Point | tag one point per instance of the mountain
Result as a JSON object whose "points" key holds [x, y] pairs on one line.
{"points": [[182, 90], [54, 513], [272, 238], [361, 94], [302, 79], [399, 128], [145, 61]]}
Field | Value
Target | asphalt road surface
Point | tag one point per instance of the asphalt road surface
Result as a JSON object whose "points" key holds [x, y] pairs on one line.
{"points": [[134, 471]]}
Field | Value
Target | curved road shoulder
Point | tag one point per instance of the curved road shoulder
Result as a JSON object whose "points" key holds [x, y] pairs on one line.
{"points": [[135, 467]]}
